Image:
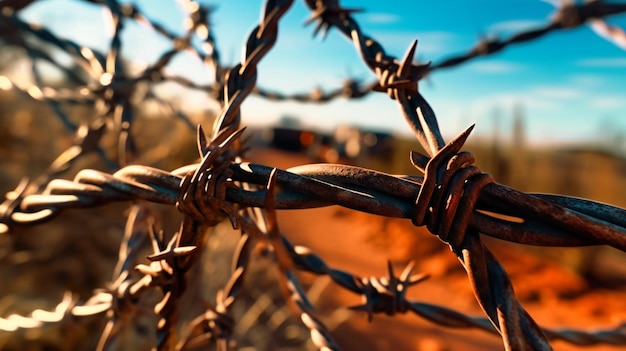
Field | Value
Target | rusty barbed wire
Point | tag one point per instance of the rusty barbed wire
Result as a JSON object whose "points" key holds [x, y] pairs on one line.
{"points": [[454, 199], [451, 185], [568, 16], [202, 192], [108, 88], [290, 179], [126, 293], [320, 335], [385, 295], [241, 79]]}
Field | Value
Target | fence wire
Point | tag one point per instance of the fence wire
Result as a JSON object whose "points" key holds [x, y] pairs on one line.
{"points": [[453, 198]]}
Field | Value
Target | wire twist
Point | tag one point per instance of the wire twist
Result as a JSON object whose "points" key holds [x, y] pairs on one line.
{"points": [[445, 204], [449, 191]]}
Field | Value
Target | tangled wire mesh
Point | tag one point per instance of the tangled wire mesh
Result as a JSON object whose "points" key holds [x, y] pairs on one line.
{"points": [[453, 199]]}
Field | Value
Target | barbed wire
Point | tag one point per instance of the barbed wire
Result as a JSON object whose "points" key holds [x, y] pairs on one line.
{"points": [[453, 199], [381, 295], [451, 185], [107, 86], [569, 15]]}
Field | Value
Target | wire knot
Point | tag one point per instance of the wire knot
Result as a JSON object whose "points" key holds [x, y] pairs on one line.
{"points": [[394, 76], [202, 192], [387, 294], [449, 192]]}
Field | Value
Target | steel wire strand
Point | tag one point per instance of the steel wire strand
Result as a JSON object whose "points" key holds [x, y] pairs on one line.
{"points": [[241, 79], [314, 186], [202, 192], [319, 333], [125, 295], [303, 257], [388, 295], [208, 325], [490, 282], [570, 15]]}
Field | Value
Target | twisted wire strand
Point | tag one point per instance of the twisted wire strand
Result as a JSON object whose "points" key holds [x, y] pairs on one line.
{"points": [[202, 195], [569, 15], [397, 78], [319, 333], [385, 295], [310, 262], [322, 185], [241, 79], [445, 205], [125, 293], [491, 285], [304, 259]]}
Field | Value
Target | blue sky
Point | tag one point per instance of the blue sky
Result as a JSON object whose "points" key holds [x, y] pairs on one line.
{"points": [[571, 84]]}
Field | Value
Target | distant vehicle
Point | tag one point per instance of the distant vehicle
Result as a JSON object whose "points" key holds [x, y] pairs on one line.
{"points": [[350, 143], [354, 142], [291, 139]]}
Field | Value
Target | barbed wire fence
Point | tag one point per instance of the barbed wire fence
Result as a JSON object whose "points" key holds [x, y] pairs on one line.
{"points": [[453, 198]]}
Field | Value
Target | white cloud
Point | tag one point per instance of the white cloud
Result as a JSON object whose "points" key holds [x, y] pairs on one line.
{"points": [[609, 62], [587, 80], [514, 26], [429, 42], [555, 3], [494, 66], [539, 98], [380, 18], [608, 102], [507, 101], [556, 92]]}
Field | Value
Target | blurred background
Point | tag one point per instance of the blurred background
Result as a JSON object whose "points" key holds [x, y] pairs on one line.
{"points": [[549, 114]]}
